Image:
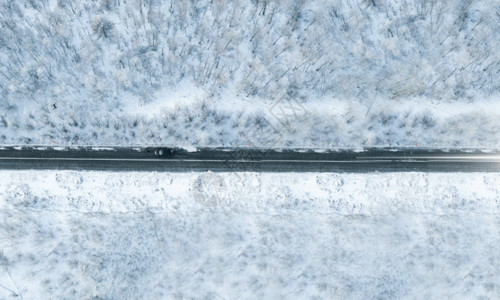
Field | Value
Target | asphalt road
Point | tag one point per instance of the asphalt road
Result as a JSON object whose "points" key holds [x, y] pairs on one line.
{"points": [[254, 160]]}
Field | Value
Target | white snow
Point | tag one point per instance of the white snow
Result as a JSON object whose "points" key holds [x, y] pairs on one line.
{"points": [[204, 74], [248, 235], [304, 74]]}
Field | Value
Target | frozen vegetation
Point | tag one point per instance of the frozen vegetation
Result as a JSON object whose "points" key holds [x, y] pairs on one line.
{"points": [[206, 73], [96, 235], [249, 73]]}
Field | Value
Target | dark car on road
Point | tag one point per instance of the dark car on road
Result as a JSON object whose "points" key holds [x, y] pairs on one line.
{"points": [[164, 152]]}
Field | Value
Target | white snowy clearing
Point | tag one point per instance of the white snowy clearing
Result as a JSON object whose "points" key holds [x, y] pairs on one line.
{"points": [[102, 235]]}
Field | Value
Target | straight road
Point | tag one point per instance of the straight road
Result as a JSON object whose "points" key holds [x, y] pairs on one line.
{"points": [[250, 159]]}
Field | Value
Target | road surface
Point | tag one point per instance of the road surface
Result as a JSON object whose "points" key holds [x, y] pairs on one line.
{"points": [[253, 160]]}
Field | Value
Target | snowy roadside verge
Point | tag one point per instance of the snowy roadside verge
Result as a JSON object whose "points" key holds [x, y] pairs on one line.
{"points": [[226, 235], [237, 123], [247, 192]]}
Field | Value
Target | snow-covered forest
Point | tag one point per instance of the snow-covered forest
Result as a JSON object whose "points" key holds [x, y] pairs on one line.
{"points": [[102, 235], [262, 73], [82, 72]]}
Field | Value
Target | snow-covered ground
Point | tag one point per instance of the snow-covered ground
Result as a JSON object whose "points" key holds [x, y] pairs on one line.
{"points": [[308, 74], [205, 73], [78, 235], [319, 124]]}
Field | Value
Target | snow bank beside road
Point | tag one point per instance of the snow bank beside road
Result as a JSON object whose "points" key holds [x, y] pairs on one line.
{"points": [[319, 124], [247, 235]]}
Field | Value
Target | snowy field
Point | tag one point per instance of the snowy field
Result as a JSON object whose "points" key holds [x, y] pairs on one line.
{"points": [[99, 235], [206, 73]]}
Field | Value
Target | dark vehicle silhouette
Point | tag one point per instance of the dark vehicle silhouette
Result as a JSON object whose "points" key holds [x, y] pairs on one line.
{"points": [[164, 152]]}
